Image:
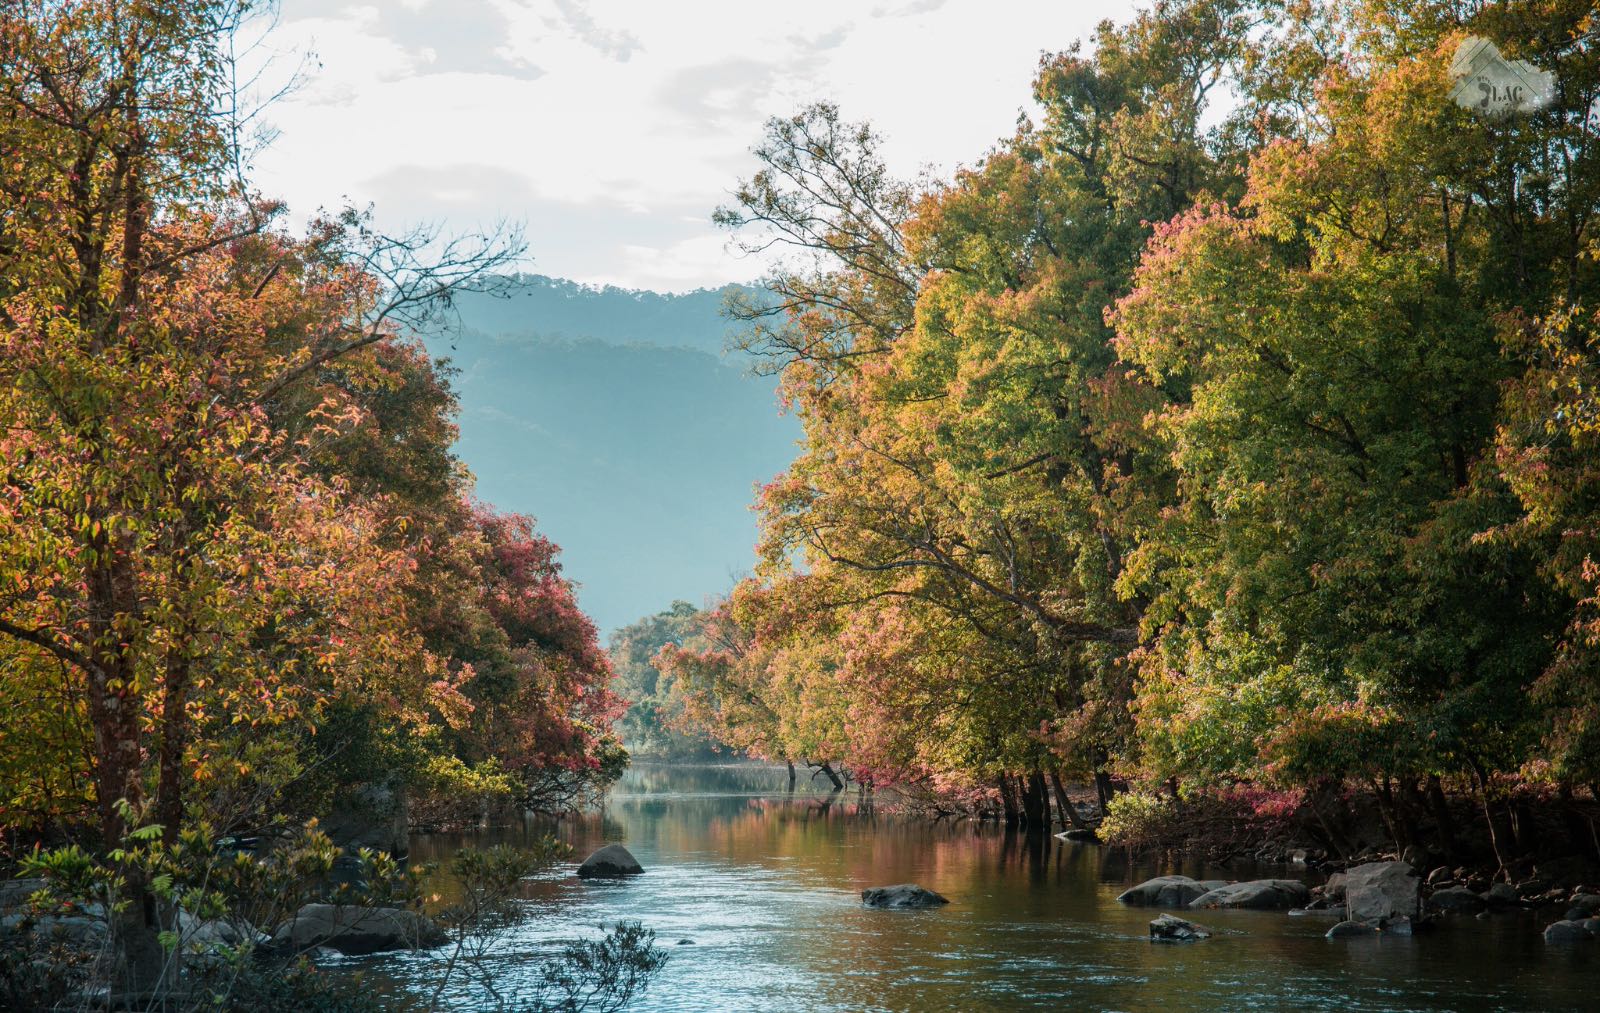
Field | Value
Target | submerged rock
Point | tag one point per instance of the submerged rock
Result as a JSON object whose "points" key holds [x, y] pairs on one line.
{"points": [[356, 930], [1457, 899], [1167, 891], [1572, 931], [1256, 895], [1172, 929], [1583, 905], [610, 862], [903, 895], [1381, 890], [1350, 929]]}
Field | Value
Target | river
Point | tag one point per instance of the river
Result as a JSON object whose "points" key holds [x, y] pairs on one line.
{"points": [[764, 887]]}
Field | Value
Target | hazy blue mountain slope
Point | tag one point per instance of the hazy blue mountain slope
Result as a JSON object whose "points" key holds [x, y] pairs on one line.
{"points": [[555, 307], [640, 461]]}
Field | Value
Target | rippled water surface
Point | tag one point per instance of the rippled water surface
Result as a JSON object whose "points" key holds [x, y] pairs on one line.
{"points": [[765, 887]]}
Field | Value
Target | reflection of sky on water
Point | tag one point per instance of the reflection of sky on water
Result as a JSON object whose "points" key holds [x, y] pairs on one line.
{"points": [[766, 887]]}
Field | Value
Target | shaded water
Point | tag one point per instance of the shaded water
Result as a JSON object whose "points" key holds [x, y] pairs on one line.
{"points": [[767, 888]]}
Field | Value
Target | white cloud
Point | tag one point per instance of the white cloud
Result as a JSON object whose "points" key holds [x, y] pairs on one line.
{"points": [[640, 111]]}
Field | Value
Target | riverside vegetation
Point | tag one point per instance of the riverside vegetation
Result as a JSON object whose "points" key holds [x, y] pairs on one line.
{"points": [[244, 582], [1226, 439]]}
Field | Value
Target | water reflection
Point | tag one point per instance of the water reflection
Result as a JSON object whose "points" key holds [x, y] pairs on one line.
{"points": [[766, 885]]}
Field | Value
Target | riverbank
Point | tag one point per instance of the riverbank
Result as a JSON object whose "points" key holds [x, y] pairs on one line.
{"points": [[766, 888]]}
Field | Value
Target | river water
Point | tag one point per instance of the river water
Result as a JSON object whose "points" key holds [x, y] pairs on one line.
{"points": [[764, 887]]}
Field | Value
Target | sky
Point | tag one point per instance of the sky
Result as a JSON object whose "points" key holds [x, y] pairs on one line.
{"points": [[611, 129]]}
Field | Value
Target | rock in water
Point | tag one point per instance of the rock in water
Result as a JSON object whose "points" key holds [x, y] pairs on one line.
{"points": [[1256, 895], [1172, 929], [1458, 899], [1349, 929], [1381, 890], [610, 862], [904, 895], [1167, 891], [353, 930], [1583, 905], [1572, 931]]}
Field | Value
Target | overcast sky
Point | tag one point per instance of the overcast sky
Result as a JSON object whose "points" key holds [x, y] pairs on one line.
{"points": [[613, 128]]}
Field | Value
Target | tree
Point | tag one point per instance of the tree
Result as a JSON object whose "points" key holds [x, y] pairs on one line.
{"points": [[165, 550]]}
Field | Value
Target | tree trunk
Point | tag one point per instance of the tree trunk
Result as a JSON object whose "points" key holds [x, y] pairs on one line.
{"points": [[1069, 812], [791, 774], [114, 716], [827, 769], [1102, 788], [1441, 816], [1008, 802], [174, 743], [1035, 803]]}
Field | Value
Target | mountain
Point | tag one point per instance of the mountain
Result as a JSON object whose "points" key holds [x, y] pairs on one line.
{"points": [[556, 308], [604, 413]]}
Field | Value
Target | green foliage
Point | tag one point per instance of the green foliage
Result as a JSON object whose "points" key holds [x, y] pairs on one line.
{"points": [[655, 724], [1136, 819], [601, 976]]}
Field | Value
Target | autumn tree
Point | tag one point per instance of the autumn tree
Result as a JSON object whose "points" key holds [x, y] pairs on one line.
{"points": [[167, 554]]}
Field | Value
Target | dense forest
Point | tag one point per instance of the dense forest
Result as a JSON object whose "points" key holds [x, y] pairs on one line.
{"points": [[244, 579], [1224, 442], [1227, 435]]}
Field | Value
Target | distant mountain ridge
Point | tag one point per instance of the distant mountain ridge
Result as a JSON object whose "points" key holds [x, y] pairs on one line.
{"points": [[612, 417], [556, 307]]}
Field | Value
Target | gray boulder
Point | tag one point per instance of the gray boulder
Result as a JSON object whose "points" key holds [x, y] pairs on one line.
{"points": [[355, 930], [14, 893], [1333, 889], [1457, 899], [1167, 891], [1256, 895], [903, 895], [610, 862], [1572, 931], [1172, 929], [1350, 929], [1584, 905], [213, 933], [1381, 890], [79, 932], [1502, 895]]}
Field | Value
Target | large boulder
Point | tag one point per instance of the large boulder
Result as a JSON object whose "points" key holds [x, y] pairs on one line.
{"points": [[610, 862], [1167, 891], [903, 895], [1256, 895], [1583, 905], [1172, 929], [1569, 931], [1458, 900], [353, 930], [76, 932], [14, 893], [1333, 889], [1378, 891]]}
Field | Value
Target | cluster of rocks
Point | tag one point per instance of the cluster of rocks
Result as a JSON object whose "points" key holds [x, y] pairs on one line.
{"points": [[316, 929], [1254, 895], [1368, 899]]}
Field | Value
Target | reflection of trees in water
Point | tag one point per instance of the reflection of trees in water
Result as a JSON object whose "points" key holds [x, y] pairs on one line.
{"points": [[697, 778]]}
